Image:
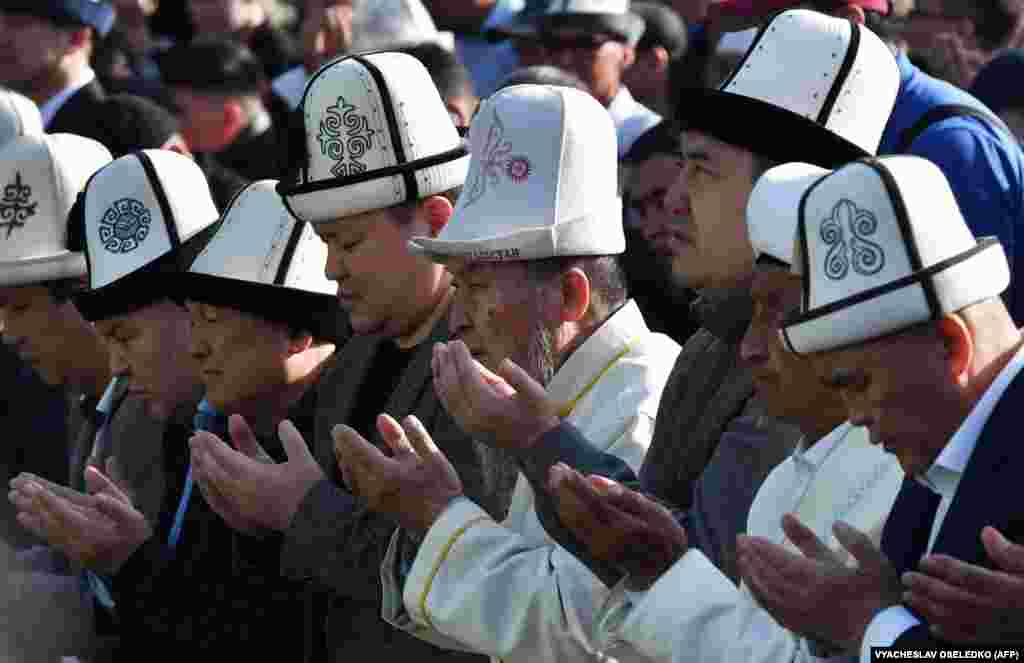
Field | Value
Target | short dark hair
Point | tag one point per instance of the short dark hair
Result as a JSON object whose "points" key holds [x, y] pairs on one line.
{"points": [[214, 65], [762, 165], [664, 28], [449, 74], [605, 273], [993, 22], [404, 213], [664, 138]]}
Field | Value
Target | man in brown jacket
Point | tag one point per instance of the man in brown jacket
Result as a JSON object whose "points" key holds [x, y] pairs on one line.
{"points": [[368, 174]]}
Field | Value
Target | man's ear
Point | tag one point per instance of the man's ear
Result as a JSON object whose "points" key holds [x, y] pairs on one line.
{"points": [[959, 343], [299, 343], [437, 210], [661, 59], [852, 12], [628, 57], [234, 119], [575, 295], [79, 38]]}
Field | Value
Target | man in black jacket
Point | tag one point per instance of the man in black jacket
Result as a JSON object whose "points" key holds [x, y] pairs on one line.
{"points": [[183, 584], [45, 47]]}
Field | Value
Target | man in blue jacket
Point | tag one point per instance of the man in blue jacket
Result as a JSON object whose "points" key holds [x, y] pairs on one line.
{"points": [[940, 122]]}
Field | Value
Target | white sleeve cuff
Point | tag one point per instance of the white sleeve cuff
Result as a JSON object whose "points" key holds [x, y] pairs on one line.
{"points": [[460, 515], [885, 629]]}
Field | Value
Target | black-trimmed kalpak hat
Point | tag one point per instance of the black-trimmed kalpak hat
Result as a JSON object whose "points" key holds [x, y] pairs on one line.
{"points": [[882, 246], [97, 14], [811, 88], [40, 178], [141, 220], [264, 261], [374, 134], [594, 16]]}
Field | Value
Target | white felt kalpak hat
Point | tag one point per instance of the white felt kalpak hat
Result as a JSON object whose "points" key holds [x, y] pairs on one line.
{"points": [[810, 88], [542, 182], [41, 177], [375, 134], [19, 116], [264, 261], [771, 221], [141, 219], [594, 16], [882, 246]]}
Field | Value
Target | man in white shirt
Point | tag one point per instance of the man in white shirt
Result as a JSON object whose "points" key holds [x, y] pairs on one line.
{"points": [[44, 54], [596, 40], [901, 317], [833, 474], [538, 284]]}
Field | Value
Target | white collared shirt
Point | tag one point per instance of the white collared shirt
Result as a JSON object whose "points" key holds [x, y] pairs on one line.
{"points": [[53, 105], [695, 613], [943, 477], [631, 119]]}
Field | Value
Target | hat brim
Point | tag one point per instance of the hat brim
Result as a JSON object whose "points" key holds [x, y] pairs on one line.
{"points": [[315, 312], [583, 236], [148, 285], [130, 293], [628, 26], [956, 283], [65, 265], [766, 130], [328, 200]]}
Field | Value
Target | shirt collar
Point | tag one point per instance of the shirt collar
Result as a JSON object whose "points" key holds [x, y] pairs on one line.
{"points": [[49, 109], [814, 456], [421, 332], [622, 107], [945, 472], [589, 360]]}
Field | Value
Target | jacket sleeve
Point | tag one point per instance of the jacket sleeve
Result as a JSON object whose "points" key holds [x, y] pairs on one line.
{"points": [[499, 591], [216, 595], [566, 444]]}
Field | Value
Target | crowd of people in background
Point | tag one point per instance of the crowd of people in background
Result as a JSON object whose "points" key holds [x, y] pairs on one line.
{"points": [[537, 330]]}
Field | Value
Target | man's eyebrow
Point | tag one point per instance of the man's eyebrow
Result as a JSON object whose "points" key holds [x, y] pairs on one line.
{"points": [[696, 154]]}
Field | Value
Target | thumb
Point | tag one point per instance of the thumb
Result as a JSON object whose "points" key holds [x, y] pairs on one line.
{"points": [[98, 483], [242, 436], [531, 391], [116, 476], [859, 544], [294, 444], [804, 538], [1008, 556]]}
